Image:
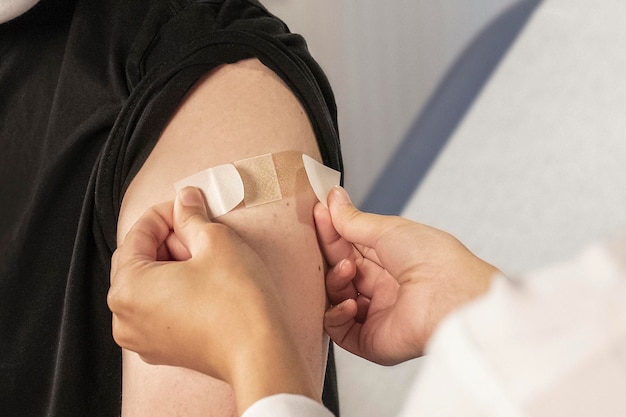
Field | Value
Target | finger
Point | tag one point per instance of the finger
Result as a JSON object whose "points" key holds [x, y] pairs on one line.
{"points": [[362, 308], [146, 236], [368, 274], [334, 248], [353, 225], [176, 249], [163, 253], [339, 319], [369, 254], [116, 329], [339, 286], [341, 326], [191, 219]]}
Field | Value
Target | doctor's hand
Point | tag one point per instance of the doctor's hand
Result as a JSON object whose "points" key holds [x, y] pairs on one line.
{"points": [[391, 280], [188, 292]]}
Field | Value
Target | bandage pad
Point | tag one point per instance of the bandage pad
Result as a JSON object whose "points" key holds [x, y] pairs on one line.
{"points": [[259, 180]]}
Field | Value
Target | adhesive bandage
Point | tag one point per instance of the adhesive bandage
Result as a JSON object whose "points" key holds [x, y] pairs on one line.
{"points": [[259, 180]]}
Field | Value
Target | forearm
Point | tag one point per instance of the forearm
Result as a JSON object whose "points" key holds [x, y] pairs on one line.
{"points": [[272, 364]]}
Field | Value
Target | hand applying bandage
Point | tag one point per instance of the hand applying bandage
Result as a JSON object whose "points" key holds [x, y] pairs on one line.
{"points": [[188, 292], [391, 281]]}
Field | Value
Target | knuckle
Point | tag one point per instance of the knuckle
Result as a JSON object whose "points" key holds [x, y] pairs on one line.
{"points": [[111, 300], [119, 335], [119, 299], [149, 358]]}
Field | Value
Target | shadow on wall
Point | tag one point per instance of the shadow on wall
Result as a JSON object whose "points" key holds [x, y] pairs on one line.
{"points": [[444, 111]]}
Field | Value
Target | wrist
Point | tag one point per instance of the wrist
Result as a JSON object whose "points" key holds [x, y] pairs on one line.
{"points": [[271, 363]]}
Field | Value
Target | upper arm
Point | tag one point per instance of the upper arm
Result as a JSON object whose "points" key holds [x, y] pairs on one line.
{"points": [[237, 111]]}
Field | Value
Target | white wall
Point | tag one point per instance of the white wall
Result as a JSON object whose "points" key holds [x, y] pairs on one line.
{"points": [[383, 59]]}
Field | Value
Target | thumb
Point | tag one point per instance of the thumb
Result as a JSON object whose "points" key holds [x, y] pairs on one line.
{"points": [[352, 224], [190, 218]]}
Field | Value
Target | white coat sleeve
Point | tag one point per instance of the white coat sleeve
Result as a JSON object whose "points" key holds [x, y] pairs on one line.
{"points": [[286, 405]]}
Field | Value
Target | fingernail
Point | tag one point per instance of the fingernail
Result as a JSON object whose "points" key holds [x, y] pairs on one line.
{"points": [[191, 197], [343, 264], [341, 196]]}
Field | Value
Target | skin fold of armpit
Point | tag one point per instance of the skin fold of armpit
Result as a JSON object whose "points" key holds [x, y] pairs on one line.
{"points": [[260, 180]]}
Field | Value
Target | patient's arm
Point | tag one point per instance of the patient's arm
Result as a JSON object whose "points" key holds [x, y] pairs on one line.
{"points": [[237, 111]]}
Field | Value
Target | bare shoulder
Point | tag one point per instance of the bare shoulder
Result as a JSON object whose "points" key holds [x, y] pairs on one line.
{"points": [[236, 111]]}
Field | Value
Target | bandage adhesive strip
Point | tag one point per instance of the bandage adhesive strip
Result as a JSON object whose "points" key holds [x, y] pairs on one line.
{"points": [[254, 181], [321, 178]]}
